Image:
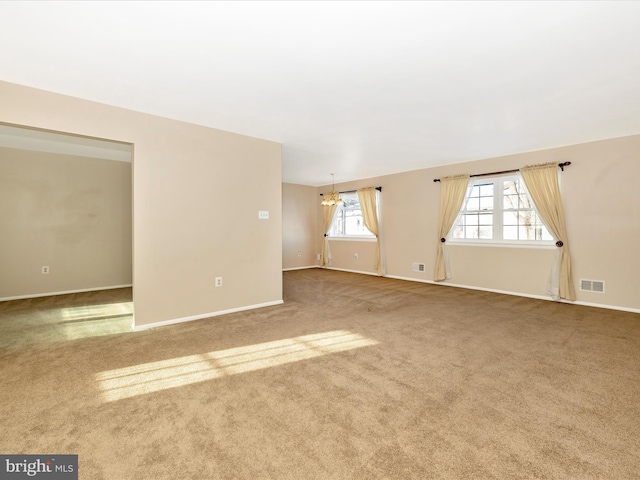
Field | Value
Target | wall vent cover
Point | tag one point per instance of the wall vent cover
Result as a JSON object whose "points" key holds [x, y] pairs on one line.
{"points": [[596, 286], [418, 267]]}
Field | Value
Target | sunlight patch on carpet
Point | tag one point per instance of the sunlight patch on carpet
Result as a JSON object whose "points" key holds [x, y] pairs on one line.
{"points": [[176, 372], [90, 312], [95, 320]]}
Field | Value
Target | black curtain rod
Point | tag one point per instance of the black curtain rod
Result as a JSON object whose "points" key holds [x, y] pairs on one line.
{"points": [[561, 165], [354, 191]]}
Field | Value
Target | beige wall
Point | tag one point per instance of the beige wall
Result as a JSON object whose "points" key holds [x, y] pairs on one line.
{"points": [[70, 213], [196, 196], [602, 207], [354, 255], [299, 211]]}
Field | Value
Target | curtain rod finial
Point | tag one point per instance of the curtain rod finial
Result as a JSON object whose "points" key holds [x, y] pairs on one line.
{"points": [[564, 164]]}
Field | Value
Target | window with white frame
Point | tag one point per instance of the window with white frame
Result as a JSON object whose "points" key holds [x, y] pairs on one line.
{"points": [[348, 221], [499, 210]]}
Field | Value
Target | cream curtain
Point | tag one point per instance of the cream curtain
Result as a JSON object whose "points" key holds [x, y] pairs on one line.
{"points": [[543, 187], [369, 207], [452, 192], [328, 212]]}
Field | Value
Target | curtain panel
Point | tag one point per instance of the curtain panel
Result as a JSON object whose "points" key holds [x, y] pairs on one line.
{"points": [[542, 184], [369, 208], [452, 193], [328, 213]]}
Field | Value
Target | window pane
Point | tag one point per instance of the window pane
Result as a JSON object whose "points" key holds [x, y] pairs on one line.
{"points": [[510, 218], [525, 202], [526, 233], [485, 219], [458, 232], [486, 232], [527, 218], [354, 225], [486, 203], [475, 191], [510, 233], [538, 231], [545, 234], [511, 201], [470, 219], [536, 218], [471, 232], [510, 187], [339, 225], [486, 190], [473, 204]]}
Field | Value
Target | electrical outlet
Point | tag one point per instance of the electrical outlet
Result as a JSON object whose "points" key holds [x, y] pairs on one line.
{"points": [[218, 281], [263, 214], [45, 270], [355, 255], [318, 256]]}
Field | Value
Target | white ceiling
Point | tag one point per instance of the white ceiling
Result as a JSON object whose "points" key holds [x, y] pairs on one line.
{"points": [[356, 88]]}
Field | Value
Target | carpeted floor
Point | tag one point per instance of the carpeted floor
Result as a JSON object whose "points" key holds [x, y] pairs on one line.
{"points": [[353, 377]]}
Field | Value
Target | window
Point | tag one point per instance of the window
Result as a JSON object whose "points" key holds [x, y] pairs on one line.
{"points": [[499, 210], [348, 221]]}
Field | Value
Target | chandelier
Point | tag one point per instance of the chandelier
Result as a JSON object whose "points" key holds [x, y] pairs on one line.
{"points": [[332, 198]]}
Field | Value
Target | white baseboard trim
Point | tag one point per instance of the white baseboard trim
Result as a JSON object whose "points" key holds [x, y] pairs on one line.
{"points": [[164, 323], [519, 294], [67, 292], [351, 271], [601, 305], [468, 287], [300, 268]]}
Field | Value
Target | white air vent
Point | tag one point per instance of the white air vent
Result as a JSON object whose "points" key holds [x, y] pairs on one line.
{"points": [[596, 286], [418, 267]]}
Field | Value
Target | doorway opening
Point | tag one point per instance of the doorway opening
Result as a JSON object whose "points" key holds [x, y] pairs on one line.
{"points": [[67, 221]]}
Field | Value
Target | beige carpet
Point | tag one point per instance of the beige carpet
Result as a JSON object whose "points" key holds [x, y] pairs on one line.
{"points": [[353, 377]]}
